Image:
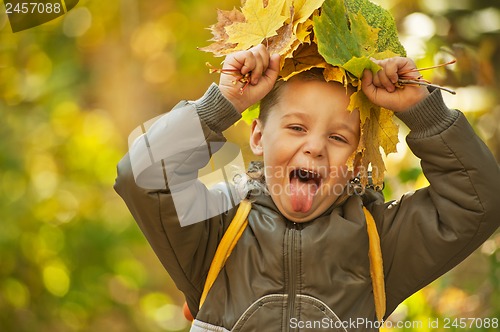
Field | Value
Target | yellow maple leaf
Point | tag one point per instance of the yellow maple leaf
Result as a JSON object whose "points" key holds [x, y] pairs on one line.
{"points": [[304, 9], [260, 23], [302, 35], [286, 7], [283, 41], [359, 101], [388, 130], [304, 58], [224, 18], [378, 130], [334, 73], [303, 31]]}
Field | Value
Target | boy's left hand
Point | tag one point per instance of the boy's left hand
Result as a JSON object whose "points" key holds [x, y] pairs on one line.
{"points": [[380, 88]]}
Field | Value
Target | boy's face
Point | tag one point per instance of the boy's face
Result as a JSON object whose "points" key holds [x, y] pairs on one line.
{"points": [[306, 141]]}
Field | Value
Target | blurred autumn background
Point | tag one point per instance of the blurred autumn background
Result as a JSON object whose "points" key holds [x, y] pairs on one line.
{"points": [[72, 90]]}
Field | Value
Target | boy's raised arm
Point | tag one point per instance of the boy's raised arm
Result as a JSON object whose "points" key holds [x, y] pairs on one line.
{"points": [[158, 178], [428, 232], [149, 190]]}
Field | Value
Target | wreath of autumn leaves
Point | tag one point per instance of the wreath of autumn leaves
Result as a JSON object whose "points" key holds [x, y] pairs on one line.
{"points": [[340, 36]]}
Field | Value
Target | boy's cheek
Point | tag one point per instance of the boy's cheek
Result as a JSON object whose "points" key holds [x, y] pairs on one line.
{"points": [[276, 173], [340, 172]]}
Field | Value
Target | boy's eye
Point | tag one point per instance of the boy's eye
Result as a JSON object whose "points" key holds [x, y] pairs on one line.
{"points": [[338, 138], [296, 128]]}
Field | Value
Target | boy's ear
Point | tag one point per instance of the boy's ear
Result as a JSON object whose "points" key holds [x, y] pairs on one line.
{"points": [[256, 138]]}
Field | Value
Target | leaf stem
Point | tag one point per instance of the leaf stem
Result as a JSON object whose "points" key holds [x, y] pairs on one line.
{"points": [[405, 82], [427, 68]]}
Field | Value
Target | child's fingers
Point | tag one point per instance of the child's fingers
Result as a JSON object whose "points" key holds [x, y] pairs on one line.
{"points": [[262, 62], [368, 83], [384, 80], [247, 61], [379, 88], [387, 76], [375, 80], [264, 71], [258, 69], [273, 68], [254, 61], [367, 78], [392, 68]]}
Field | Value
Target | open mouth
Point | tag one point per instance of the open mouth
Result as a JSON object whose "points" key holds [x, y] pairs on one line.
{"points": [[304, 185], [305, 175]]}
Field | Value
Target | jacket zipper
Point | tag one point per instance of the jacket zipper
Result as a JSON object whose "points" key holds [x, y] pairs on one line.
{"points": [[292, 270]]}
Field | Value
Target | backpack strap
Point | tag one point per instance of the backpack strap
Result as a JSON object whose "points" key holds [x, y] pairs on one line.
{"points": [[376, 265], [226, 245]]}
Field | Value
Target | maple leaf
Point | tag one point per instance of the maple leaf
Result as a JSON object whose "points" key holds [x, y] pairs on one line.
{"points": [[356, 66], [260, 23], [251, 113], [378, 17], [284, 39], [299, 27], [224, 18], [388, 130], [304, 9], [359, 101], [378, 130], [303, 31], [342, 36], [304, 58], [333, 73]]}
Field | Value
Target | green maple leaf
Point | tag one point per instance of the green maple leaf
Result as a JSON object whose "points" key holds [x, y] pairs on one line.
{"points": [[251, 113], [343, 35], [381, 18], [350, 32]]}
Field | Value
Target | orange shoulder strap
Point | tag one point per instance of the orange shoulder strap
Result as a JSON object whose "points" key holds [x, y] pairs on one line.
{"points": [[226, 245], [376, 265]]}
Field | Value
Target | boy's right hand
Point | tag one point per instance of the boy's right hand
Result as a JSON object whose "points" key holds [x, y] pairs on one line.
{"points": [[263, 69]]}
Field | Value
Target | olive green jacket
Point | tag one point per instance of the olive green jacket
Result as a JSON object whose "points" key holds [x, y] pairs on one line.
{"points": [[284, 276]]}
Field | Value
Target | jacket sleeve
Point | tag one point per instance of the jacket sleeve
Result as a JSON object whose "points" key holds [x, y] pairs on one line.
{"points": [[428, 232], [158, 180]]}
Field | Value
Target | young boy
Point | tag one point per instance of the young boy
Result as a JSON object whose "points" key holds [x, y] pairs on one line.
{"points": [[302, 261]]}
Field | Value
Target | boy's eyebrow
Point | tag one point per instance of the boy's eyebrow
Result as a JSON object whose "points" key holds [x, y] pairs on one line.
{"points": [[348, 128], [297, 114], [303, 115]]}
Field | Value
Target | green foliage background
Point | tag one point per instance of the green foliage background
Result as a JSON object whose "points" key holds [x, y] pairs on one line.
{"points": [[71, 91]]}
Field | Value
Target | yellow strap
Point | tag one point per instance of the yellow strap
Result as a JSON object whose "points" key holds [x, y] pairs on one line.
{"points": [[376, 266], [226, 245]]}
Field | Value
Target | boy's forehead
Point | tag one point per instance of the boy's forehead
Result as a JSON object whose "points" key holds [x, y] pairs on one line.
{"points": [[329, 115], [296, 89], [297, 94]]}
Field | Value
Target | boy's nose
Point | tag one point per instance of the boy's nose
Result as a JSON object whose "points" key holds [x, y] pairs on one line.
{"points": [[315, 147]]}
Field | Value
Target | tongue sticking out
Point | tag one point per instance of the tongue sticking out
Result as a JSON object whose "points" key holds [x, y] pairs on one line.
{"points": [[302, 194]]}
